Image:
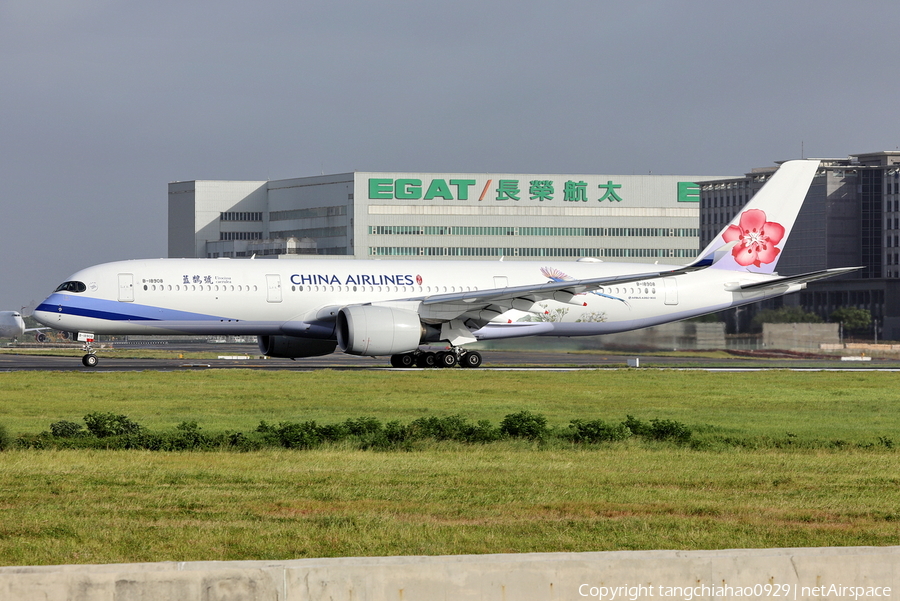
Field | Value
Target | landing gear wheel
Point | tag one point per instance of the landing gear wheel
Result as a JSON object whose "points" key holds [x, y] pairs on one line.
{"points": [[425, 359], [89, 359], [404, 360], [471, 359], [445, 359]]}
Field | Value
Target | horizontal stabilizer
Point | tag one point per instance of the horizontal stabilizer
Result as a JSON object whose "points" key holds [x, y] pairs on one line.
{"points": [[803, 278]]}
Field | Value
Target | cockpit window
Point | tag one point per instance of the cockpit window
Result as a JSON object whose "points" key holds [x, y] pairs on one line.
{"points": [[71, 287]]}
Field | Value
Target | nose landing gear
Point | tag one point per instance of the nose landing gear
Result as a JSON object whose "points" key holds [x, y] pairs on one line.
{"points": [[89, 359]]}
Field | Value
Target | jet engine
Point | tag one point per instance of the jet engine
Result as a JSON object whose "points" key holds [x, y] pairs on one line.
{"points": [[373, 330], [291, 347]]}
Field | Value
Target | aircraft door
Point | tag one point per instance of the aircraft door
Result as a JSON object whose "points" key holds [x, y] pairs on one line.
{"points": [[501, 281], [671, 285], [126, 287], [273, 287]]}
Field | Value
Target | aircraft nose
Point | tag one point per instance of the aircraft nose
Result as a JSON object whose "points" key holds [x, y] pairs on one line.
{"points": [[39, 317], [46, 312]]}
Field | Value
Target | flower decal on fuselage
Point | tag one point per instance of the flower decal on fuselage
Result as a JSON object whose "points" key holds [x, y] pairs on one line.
{"points": [[756, 239]]}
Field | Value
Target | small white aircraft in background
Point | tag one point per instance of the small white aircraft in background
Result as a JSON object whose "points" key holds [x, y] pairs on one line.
{"points": [[304, 308], [11, 324]]}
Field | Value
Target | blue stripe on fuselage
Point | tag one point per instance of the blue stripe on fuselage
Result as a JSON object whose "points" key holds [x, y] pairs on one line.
{"points": [[85, 306], [92, 313]]}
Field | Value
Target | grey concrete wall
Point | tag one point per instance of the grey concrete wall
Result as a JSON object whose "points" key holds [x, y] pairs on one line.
{"points": [[681, 335], [799, 336], [858, 573]]}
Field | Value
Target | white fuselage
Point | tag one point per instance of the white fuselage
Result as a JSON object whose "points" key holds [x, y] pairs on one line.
{"points": [[274, 297]]}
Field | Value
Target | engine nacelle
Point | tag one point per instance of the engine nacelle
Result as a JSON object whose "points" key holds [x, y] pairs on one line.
{"points": [[372, 330], [291, 347]]}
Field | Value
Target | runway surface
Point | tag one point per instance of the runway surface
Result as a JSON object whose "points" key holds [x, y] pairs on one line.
{"points": [[246, 356]]}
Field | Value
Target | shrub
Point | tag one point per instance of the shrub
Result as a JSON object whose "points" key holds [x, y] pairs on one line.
{"points": [[395, 432], [6, 440], [452, 427], [658, 429], [112, 431], [482, 432], [637, 427], [66, 429], [299, 435], [362, 426], [449, 427], [854, 320], [240, 442], [597, 431], [102, 425], [668, 429], [188, 437], [524, 424], [786, 314], [333, 432]]}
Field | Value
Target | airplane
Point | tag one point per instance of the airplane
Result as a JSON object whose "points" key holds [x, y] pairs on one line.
{"points": [[303, 308], [12, 325]]}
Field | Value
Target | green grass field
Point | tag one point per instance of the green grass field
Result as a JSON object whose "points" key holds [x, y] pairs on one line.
{"points": [[822, 405], [509, 496]]}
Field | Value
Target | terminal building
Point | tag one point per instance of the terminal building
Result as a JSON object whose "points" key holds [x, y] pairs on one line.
{"points": [[640, 218], [851, 217]]}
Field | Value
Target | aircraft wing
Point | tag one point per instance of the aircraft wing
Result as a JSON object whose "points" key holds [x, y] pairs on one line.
{"points": [[557, 290], [444, 307], [481, 306], [803, 278]]}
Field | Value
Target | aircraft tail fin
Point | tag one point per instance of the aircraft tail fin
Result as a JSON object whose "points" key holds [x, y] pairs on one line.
{"points": [[755, 237]]}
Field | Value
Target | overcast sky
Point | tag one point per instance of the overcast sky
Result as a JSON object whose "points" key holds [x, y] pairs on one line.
{"points": [[102, 103]]}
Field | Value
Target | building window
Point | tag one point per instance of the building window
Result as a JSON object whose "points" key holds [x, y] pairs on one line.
{"points": [[308, 213], [240, 235], [240, 216], [463, 251], [628, 232]]}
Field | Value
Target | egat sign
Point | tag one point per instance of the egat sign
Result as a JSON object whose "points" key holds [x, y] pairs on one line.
{"points": [[411, 189], [500, 189]]}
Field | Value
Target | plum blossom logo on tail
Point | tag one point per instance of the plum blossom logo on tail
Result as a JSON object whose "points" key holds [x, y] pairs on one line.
{"points": [[756, 238]]}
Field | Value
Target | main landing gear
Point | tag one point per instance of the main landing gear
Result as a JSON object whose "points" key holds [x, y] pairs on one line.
{"points": [[449, 358]]}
